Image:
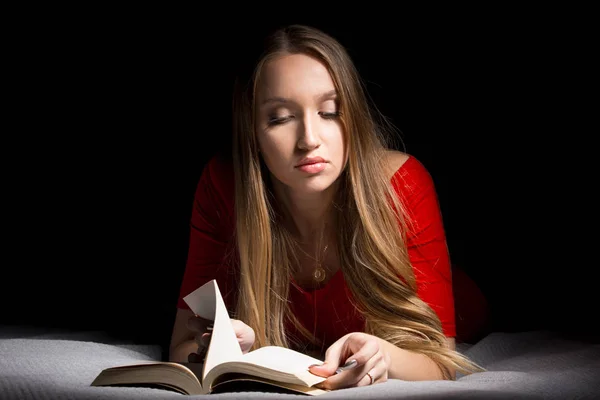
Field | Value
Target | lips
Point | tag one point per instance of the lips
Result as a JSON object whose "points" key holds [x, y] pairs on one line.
{"points": [[310, 161]]}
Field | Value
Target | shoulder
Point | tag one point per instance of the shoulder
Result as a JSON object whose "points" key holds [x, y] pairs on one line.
{"points": [[218, 177], [406, 173], [403, 165], [219, 165], [395, 160], [218, 169]]}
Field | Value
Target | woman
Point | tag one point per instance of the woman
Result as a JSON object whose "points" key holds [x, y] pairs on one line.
{"points": [[320, 237]]}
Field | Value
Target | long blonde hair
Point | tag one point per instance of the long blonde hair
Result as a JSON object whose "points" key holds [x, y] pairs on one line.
{"points": [[371, 219]]}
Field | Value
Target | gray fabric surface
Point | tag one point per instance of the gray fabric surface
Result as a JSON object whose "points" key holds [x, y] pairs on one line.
{"points": [[525, 365]]}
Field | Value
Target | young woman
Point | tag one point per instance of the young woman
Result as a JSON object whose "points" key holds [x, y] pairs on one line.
{"points": [[321, 237]]}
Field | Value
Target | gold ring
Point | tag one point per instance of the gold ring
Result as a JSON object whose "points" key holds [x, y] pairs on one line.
{"points": [[371, 378]]}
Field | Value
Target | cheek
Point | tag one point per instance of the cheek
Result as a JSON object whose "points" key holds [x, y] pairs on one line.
{"points": [[337, 145], [276, 146]]}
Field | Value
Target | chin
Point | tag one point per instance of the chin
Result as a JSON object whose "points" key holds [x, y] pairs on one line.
{"points": [[315, 185]]}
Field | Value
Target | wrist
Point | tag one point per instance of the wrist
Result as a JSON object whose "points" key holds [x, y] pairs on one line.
{"points": [[409, 365]]}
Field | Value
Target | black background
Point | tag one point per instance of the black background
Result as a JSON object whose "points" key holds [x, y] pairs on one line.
{"points": [[114, 112]]}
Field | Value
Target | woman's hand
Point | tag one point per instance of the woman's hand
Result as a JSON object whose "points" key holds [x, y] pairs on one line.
{"points": [[202, 329], [356, 359], [244, 334]]}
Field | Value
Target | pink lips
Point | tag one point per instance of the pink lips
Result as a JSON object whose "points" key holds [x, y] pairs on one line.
{"points": [[312, 165]]}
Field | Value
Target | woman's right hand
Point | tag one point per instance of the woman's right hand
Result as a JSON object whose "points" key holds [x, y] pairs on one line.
{"points": [[202, 329]]}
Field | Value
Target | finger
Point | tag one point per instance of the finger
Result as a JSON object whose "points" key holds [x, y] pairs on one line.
{"points": [[357, 364], [345, 378], [332, 360], [375, 370], [197, 357], [357, 376], [245, 335], [203, 340], [369, 378], [238, 327], [365, 351], [198, 324]]}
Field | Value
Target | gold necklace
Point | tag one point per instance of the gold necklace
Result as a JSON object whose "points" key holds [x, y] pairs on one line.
{"points": [[319, 273]]}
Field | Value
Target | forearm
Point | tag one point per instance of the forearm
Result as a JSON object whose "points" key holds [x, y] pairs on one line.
{"points": [[410, 366]]}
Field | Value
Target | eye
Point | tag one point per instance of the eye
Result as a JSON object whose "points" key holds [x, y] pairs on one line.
{"points": [[330, 115], [278, 120]]}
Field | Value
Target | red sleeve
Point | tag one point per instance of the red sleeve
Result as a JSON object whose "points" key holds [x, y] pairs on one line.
{"points": [[426, 240], [211, 232]]}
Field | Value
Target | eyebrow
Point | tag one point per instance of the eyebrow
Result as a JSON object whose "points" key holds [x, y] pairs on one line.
{"points": [[332, 94]]}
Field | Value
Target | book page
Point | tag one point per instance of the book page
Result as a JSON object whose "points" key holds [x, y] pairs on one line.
{"points": [[287, 361], [281, 359], [207, 302]]}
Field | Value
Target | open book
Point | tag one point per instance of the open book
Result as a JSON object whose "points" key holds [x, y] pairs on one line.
{"points": [[225, 365]]}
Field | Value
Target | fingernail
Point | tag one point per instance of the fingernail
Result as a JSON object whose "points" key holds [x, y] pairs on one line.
{"points": [[314, 365], [349, 365], [205, 341]]}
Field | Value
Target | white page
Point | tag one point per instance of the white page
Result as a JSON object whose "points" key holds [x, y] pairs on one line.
{"points": [[281, 359], [207, 302]]}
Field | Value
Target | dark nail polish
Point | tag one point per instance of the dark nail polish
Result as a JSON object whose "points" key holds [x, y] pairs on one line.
{"points": [[349, 365]]}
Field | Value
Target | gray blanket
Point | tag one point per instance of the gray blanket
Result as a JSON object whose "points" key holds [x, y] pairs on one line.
{"points": [[539, 364]]}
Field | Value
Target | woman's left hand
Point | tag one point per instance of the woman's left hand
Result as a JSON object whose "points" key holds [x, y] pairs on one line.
{"points": [[362, 359]]}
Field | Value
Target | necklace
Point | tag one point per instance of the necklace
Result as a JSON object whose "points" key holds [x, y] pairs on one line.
{"points": [[319, 273]]}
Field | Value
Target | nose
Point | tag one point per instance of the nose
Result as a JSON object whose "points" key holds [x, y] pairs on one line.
{"points": [[309, 138]]}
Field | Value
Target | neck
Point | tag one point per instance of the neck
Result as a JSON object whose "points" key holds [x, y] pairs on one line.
{"points": [[306, 213]]}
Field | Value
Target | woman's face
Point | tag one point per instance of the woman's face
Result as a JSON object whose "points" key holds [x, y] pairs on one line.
{"points": [[300, 135]]}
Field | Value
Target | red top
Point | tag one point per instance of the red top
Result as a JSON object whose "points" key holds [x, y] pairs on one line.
{"points": [[326, 311]]}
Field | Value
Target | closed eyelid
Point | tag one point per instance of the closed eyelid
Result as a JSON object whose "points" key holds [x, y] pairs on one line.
{"points": [[280, 113]]}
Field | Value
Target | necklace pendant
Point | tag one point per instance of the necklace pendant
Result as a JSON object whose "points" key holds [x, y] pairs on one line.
{"points": [[319, 274]]}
